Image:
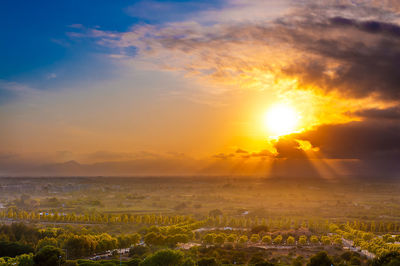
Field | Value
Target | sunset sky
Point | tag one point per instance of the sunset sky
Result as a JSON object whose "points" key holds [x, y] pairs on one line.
{"points": [[214, 87]]}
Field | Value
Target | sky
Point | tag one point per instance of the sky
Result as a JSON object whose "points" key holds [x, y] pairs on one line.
{"points": [[200, 87]]}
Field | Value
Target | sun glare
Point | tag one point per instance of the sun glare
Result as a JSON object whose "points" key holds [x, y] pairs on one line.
{"points": [[281, 120]]}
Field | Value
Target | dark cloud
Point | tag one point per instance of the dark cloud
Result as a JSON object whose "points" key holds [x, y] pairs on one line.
{"points": [[356, 140], [370, 26], [358, 58], [367, 149], [346, 46], [392, 113], [288, 147]]}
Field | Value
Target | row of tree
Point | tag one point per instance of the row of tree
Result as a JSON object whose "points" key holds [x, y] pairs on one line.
{"points": [[214, 219], [221, 238]]}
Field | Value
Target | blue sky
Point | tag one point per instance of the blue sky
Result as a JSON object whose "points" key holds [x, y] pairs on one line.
{"points": [[36, 49]]}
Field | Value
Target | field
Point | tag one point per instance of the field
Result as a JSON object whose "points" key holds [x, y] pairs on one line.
{"points": [[225, 220]]}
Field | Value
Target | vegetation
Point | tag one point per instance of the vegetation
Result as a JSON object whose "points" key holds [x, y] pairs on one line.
{"points": [[49, 228]]}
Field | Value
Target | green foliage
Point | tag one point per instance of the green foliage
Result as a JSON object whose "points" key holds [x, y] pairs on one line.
{"points": [[298, 261], [314, 240], [70, 263], [49, 256], [219, 239], [388, 259], [255, 238], [267, 239], [231, 238], [320, 259], [164, 257], [256, 259], [290, 240], [20, 232], [325, 240], [207, 262], [188, 262], [21, 260], [302, 240], [278, 240], [138, 251], [243, 239], [47, 241], [12, 249], [133, 262], [209, 238]]}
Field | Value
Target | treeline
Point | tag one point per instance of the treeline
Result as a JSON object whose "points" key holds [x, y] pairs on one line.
{"points": [[105, 218], [16, 239], [270, 239], [315, 225]]}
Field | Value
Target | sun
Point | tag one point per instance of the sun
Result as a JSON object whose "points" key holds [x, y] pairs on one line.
{"points": [[281, 119]]}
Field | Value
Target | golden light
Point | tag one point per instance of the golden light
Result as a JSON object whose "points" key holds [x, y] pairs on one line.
{"points": [[281, 120]]}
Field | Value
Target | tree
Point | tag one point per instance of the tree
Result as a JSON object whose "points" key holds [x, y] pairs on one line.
{"points": [[290, 240], [388, 259], [164, 257], [256, 259], [338, 241], [134, 262], [49, 256], [320, 259], [314, 239], [255, 238], [79, 245], [22, 260], [12, 249], [209, 238], [188, 262], [220, 239], [325, 240], [207, 262], [138, 251], [243, 239], [135, 239], [231, 238], [47, 241], [154, 239], [266, 239], [302, 240], [356, 261], [278, 240], [298, 261]]}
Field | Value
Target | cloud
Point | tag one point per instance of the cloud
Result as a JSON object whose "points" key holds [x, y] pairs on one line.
{"points": [[12, 90], [224, 156], [325, 46], [392, 113], [370, 139], [356, 58], [288, 147], [51, 76], [339, 49]]}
